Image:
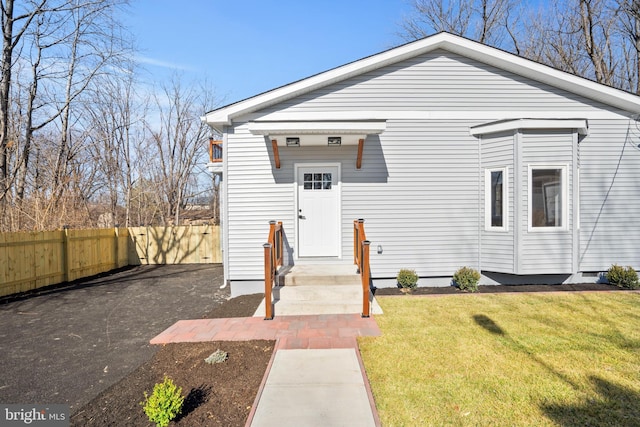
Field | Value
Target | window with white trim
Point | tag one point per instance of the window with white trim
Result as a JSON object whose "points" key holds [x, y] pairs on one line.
{"points": [[547, 197], [496, 201]]}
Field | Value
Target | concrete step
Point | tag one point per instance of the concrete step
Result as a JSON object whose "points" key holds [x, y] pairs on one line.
{"points": [[321, 275], [304, 300], [318, 293]]}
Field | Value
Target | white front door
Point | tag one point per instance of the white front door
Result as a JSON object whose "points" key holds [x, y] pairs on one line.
{"points": [[318, 211]]}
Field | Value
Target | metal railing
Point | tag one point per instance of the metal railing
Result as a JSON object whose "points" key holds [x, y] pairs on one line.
{"points": [[273, 257], [361, 259]]}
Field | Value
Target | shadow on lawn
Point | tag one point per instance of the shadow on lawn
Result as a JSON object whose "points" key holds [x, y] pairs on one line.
{"points": [[615, 406], [488, 324]]}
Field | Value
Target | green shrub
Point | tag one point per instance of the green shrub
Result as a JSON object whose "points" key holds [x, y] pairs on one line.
{"points": [[164, 404], [623, 277], [467, 279], [407, 279]]}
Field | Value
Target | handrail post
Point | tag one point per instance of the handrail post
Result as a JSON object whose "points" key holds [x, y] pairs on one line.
{"points": [[268, 281], [272, 239], [355, 243], [358, 237], [280, 244], [365, 279]]}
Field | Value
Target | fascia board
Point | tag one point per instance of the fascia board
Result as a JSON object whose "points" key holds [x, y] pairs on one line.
{"points": [[307, 128], [580, 125]]}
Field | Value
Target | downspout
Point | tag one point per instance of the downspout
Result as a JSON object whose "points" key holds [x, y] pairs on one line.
{"points": [[481, 203], [223, 207]]}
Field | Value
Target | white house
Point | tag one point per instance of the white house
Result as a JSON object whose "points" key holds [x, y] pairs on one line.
{"points": [[453, 152]]}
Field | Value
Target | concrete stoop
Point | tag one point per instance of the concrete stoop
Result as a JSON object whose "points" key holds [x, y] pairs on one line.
{"points": [[321, 275], [319, 289]]}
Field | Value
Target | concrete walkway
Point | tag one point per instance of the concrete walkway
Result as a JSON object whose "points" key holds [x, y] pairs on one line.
{"points": [[316, 376]]}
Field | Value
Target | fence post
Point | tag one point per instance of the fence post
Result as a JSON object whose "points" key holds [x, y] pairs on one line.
{"points": [[116, 233], [66, 265]]}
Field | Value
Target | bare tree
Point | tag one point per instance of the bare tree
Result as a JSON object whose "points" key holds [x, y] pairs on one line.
{"points": [[178, 139], [94, 44], [117, 114], [630, 29], [48, 64], [14, 25], [487, 21]]}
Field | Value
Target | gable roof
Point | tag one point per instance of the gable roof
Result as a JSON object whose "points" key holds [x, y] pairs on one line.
{"points": [[459, 45]]}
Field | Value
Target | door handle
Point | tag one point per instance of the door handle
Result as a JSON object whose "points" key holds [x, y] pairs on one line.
{"points": [[302, 217]]}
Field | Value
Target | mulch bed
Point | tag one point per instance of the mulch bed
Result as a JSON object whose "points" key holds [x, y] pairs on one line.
{"points": [[491, 289], [220, 394]]}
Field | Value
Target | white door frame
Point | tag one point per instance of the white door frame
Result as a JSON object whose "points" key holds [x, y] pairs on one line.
{"points": [[296, 168]]}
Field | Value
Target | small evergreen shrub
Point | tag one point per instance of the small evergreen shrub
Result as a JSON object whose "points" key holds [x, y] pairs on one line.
{"points": [[467, 279], [407, 279], [623, 277], [164, 404], [217, 356]]}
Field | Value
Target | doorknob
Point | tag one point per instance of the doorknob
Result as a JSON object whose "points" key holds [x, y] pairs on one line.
{"points": [[302, 217]]}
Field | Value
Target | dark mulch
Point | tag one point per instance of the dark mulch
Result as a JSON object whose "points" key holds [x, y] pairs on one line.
{"points": [[491, 289], [216, 395]]}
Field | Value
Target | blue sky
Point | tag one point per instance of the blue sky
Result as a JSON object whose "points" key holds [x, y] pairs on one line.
{"points": [[245, 47]]}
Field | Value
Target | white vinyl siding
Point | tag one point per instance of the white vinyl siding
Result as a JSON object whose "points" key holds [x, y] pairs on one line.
{"points": [[497, 247], [251, 192], [436, 81], [548, 252], [610, 195], [418, 193]]}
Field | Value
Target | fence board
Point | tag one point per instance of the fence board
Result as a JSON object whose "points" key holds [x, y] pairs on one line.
{"points": [[191, 244], [37, 259]]}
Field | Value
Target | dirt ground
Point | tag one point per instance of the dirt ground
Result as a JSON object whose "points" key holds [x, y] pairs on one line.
{"points": [[216, 395], [68, 343]]}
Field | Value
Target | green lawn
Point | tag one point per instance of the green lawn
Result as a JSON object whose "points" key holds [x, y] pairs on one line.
{"points": [[570, 359]]}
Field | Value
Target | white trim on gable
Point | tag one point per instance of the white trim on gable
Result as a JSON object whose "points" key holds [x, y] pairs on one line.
{"points": [[317, 128], [580, 125], [385, 115], [468, 48]]}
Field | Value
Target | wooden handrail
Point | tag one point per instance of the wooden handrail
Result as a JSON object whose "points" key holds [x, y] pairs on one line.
{"points": [[273, 257], [361, 259], [215, 151]]}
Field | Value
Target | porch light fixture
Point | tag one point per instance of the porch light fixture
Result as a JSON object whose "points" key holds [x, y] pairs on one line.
{"points": [[293, 142], [334, 141]]}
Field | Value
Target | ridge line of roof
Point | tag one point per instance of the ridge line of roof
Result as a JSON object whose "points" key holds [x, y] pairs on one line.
{"points": [[450, 45]]}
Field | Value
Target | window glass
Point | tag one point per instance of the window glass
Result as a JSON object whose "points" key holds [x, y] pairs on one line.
{"points": [[496, 199], [496, 206], [317, 181], [546, 197]]}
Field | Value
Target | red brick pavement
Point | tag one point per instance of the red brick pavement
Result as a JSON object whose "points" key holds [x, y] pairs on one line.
{"points": [[292, 332]]}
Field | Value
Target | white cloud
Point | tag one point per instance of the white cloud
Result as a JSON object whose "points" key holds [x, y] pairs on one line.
{"points": [[164, 64]]}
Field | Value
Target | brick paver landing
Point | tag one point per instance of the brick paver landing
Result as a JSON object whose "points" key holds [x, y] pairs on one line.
{"points": [[292, 332]]}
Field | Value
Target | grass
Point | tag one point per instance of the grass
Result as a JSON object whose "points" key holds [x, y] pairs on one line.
{"points": [[507, 359]]}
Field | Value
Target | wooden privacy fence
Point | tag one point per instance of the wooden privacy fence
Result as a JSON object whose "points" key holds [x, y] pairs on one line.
{"points": [[34, 260], [194, 244]]}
